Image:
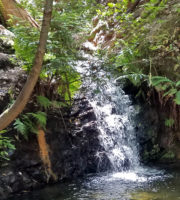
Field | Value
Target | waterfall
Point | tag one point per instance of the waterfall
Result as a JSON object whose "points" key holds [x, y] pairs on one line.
{"points": [[114, 112]]}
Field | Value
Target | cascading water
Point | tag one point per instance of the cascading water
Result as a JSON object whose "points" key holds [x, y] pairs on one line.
{"points": [[126, 180], [114, 113]]}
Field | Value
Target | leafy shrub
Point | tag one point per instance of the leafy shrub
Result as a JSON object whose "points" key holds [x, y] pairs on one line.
{"points": [[6, 146]]}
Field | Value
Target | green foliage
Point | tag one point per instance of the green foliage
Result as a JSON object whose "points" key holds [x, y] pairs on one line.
{"points": [[148, 49], [25, 44], [29, 123], [44, 102], [58, 104], [177, 99], [170, 88], [6, 146], [111, 5], [178, 84], [168, 155], [62, 46], [136, 79], [119, 7], [157, 80], [169, 122], [40, 118], [35, 7], [21, 128]]}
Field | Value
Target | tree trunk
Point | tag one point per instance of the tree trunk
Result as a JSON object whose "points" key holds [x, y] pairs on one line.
{"points": [[10, 8], [133, 6], [10, 114]]}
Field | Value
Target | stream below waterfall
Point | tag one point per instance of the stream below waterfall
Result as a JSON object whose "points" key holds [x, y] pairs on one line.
{"points": [[150, 184], [126, 178]]}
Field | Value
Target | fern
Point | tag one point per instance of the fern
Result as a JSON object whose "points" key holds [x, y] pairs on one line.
{"points": [[3, 131], [58, 104], [31, 126], [157, 80], [178, 84], [177, 98], [30, 122], [6, 145], [135, 78], [44, 102], [40, 117], [170, 92], [21, 128]]}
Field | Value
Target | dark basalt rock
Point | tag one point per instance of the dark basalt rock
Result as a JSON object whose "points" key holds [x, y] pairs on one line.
{"points": [[8, 79], [147, 129], [9, 72], [5, 61], [74, 150]]}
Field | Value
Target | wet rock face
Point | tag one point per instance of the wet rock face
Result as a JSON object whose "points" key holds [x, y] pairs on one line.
{"points": [[5, 61], [24, 171], [18, 175], [74, 147], [9, 72], [8, 79], [147, 128], [74, 151]]}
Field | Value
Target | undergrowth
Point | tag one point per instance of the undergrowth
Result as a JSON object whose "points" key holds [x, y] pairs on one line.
{"points": [[148, 49]]}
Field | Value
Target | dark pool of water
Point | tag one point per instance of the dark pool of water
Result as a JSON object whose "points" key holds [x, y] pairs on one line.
{"points": [[141, 184]]}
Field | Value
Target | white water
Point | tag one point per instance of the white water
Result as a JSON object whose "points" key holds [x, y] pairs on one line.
{"points": [[114, 113]]}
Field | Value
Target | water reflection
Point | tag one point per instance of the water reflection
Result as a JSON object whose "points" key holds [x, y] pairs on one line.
{"points": [[154, 185]]}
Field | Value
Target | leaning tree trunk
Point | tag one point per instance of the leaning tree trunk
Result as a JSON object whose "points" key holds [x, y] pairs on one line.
{"points": [[132, 6], [10, 8], [10, 114]]}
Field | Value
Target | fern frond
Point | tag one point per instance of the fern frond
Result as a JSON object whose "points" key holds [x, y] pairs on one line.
{"points": [[135, 78], [177, 99], [178, 84], [21, 127], [31, 127], [3, 131], [58, 104], [40, 117], [44, 102], [170, 92], [157, 80]]}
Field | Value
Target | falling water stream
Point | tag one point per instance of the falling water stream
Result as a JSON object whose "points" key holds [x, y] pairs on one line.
{"points": [[114, 113], [127, 179]]}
